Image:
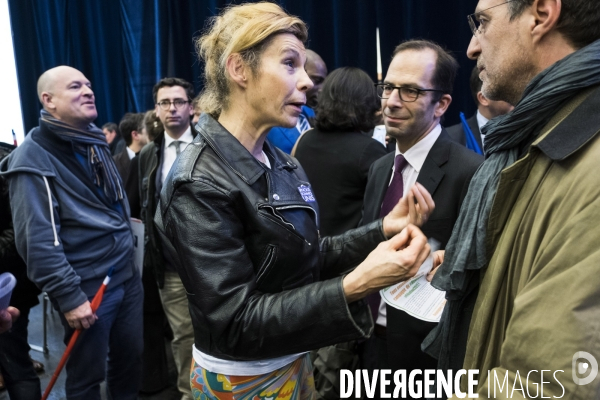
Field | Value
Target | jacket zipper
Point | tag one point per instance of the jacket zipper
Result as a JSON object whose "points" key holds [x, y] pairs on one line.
{"points": [[278, 219], [305, 207], [298, 206]]}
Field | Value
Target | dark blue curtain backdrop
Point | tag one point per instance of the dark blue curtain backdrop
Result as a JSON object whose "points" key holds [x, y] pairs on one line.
{"points": [[125, 46]]}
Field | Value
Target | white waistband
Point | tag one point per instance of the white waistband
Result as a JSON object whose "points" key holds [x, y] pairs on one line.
{"points": [[242, 368]]}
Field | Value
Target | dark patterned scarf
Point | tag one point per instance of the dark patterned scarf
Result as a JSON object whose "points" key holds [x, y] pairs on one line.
{"points": [[505, 139], [91, 142]]}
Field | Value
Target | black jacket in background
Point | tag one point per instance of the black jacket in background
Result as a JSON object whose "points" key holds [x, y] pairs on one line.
{"points": [[457, 132], [117, 145], [129, 171], [25, 292], [337, 165]]}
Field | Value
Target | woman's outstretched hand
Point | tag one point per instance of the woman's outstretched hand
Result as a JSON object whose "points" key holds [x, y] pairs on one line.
{"points": [[393, 261], [414, 208]]}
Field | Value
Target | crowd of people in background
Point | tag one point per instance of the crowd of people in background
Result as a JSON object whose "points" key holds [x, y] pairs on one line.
{"points": [[274, 210]]}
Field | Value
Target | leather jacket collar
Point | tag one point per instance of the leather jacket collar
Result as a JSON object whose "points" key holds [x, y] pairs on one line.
{"points": [[236, 156]]}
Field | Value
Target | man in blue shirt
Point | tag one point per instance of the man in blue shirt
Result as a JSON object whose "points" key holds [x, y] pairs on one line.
{"points": [[285, 138]]}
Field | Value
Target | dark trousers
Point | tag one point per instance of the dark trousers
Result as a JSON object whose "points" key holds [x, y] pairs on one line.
{"points": [[373, 356], [20, 378], [404, 337], [155, 375], [110, 349], [397, 347]]}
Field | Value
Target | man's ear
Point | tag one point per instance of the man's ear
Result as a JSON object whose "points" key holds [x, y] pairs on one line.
{"points": [[482, 99], [442, 105], [237, 70], [546, 14], [47, 101]]}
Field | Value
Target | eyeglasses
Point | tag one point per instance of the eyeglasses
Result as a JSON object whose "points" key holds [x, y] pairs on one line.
{"points": [[476, 23], [178, 103], [407, 94]]}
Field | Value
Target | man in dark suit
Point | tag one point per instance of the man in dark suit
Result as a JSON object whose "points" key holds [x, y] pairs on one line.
{"points": [[135, 140], [414, 96], [486, 110], [172, 98]]}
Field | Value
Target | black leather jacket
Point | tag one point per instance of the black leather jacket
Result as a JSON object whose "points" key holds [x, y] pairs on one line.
{"points": [[260, 281]]}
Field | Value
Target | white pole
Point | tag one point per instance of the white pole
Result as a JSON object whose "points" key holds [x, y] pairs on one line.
{"points": [[10, 102], [379, 69]]}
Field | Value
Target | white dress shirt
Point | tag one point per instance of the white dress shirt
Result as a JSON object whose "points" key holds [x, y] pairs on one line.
{"points": [[379, 134], [130, 153], [415, 157], [169, 152]]}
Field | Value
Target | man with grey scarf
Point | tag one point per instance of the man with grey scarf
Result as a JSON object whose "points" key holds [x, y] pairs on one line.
{"points": [[71, 227], [521, 270]]}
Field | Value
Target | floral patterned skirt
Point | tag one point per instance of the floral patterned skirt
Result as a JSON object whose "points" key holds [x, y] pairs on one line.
{"points": [[291, 382]]}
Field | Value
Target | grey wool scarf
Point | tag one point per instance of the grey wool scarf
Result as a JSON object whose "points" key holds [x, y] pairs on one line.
{"points": [[92, 143], [507, 137]]}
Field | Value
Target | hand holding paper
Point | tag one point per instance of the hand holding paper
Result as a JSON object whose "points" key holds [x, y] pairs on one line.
{"points": [[416, 296]]}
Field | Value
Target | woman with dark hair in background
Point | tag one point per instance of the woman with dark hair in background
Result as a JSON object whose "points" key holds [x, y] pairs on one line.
{"points": [[337, 154]]}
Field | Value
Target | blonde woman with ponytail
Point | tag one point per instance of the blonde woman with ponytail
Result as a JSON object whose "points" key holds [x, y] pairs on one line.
{"points": [[240, 220]]}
